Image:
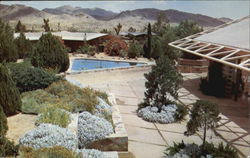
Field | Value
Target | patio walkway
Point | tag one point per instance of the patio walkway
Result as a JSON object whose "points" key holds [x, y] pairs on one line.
{"points": [[149, 140]]}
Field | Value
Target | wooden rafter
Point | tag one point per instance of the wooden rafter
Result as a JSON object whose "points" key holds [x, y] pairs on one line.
{"points": [[216, 52]]}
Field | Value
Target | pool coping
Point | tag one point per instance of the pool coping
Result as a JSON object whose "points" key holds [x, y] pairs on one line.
{"points": [[69, 71]]}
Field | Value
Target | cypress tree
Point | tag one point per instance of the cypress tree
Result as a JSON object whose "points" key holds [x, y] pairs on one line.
{"points": [[9, 95], [149, 41], [50, 53], [8, 51]]}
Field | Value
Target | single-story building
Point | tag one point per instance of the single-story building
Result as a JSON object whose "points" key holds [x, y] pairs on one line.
{"points": [[73, 40], [228, 44], [139, 36]]}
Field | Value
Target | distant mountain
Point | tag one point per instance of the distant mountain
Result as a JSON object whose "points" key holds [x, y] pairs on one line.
{"points": [[226, 20], [96, 19], [174, 16], [97, 13], [14, 12]]}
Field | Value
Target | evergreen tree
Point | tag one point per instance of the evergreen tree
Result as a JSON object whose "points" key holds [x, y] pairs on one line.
{"points": [[20, 27], [160, 25], [168, 37], [9, 95], [204, 114], [187, 28], [8, 51], [24, 46], [50, 53], [162, 83], [147, 47]]}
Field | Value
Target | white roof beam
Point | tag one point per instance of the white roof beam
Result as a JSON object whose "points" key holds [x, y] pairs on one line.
{"points": [[231, 54], [221, 47], [244, 62], [223, 52], [237, 57]]}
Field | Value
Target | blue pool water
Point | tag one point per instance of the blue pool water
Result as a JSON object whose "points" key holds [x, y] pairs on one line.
{"points": [[90, 64]]}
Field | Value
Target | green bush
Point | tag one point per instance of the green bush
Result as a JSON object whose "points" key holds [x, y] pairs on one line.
{"points": [[54, 152], [80, 99], [135, 50], [9, 95], [50, 53], [3, 122], [54, 115], [87, 49], [28, 78], [7, 148], [64, 95], [193, 150], [123, 54], [8, 51], [34, 101], [182, 111]]}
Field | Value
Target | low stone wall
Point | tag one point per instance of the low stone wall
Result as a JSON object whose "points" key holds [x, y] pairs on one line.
{"points": [[117, 141], [192, 66]]}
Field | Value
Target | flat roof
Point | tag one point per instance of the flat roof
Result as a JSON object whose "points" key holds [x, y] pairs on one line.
{"points": [[227, 44], [235, 35], [65, 35]]}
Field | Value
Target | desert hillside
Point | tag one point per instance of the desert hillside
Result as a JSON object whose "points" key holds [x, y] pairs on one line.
{"points": [[96, 19]]}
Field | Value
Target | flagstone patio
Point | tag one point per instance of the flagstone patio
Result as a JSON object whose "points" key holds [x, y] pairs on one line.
{"points": [[149, 140]]}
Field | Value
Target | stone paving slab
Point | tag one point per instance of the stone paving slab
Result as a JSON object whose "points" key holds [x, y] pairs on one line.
{"points": [[150, 136], [133, 120], [144, 150]]}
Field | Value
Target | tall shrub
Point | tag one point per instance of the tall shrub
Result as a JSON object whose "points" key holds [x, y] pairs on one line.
{"points": [[50, 53], [7, 47], [9, 95], [134, 50], [162, 83], [24, 46]]}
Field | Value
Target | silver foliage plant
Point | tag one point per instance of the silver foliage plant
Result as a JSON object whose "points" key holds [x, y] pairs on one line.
{"points": [[102, 109], [90, 153], [92, 128], [48, 135], [151, 114]]}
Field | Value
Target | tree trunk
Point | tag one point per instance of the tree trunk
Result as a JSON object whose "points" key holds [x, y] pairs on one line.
{"points": [[205, 132]]}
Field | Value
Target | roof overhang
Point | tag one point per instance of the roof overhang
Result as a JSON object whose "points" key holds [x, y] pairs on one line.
{"points": [[225, 54]]}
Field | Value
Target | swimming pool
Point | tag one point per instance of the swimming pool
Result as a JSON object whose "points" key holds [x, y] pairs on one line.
{"points": [[91, 64]]}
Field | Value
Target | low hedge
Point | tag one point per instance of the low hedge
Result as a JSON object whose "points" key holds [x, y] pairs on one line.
{"points": [[28, 78]]}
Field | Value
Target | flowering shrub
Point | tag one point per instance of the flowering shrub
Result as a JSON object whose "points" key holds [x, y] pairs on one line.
{"points": [[114, 46]]}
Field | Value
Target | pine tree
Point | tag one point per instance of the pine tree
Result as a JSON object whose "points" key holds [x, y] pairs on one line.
{"points": [[50, 53], [9, 95], [8, 51], [24, 46], [204, 114], [162, 82], [3, 123], [20, 27]]}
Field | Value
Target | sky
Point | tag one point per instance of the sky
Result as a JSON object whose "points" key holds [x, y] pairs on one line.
{"points": [[231, 8]]}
